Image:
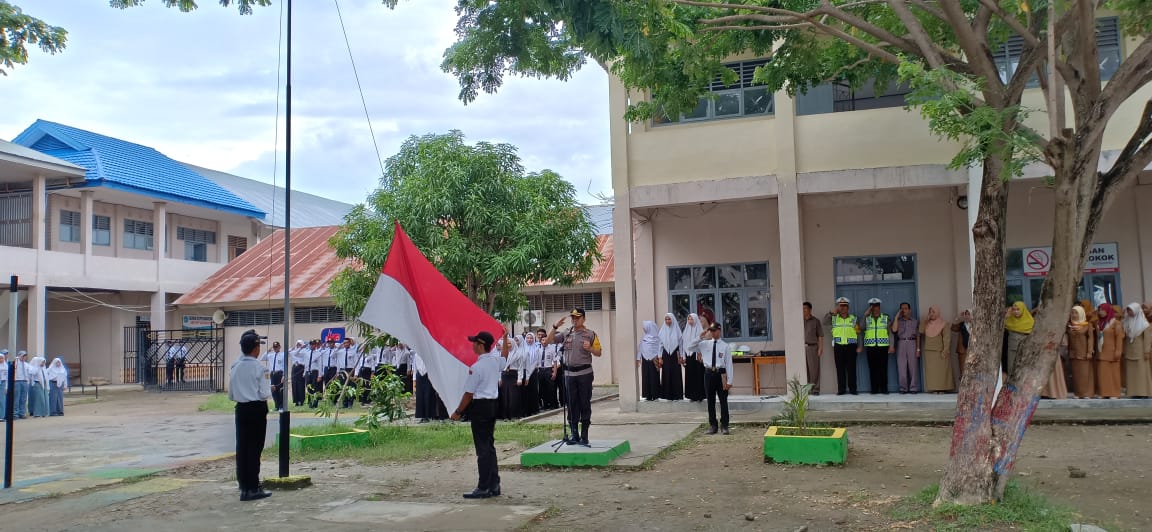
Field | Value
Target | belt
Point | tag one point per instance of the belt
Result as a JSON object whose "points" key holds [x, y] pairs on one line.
{"points": [[910, 338], [716, 370], [510, 371], [581, 367], [808, 344]]}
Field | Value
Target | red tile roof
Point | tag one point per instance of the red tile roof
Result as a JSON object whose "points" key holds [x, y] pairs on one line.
{"points": [[258, 274]]}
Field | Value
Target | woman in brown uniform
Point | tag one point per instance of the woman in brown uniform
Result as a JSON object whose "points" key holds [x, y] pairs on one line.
{"points": [[936, 337], [1081, 347], [1110, 348], [1137, 346]]}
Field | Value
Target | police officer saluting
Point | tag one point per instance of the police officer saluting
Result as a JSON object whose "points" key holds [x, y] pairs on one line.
{"points": [[250, 386], [580, 345], [479, 401]]}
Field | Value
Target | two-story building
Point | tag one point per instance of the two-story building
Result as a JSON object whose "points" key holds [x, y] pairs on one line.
{"points": [[105, 234], [756, 202]]}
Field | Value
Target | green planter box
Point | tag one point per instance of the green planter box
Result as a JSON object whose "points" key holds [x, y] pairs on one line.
{"points": [[352, 438], [831, 449]]}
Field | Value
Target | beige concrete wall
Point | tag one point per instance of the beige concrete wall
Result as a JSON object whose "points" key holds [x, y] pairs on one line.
{"points": [[735, 147], [93, 336], [874, 138]]}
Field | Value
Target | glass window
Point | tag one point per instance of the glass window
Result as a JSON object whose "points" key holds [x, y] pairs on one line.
{"points": [[896, 268], [195, 251], [137, 234], [69, 226], [758, 101], [101, 230], [873, 269], [742, 98], [727, 104], [735, 295], [1107, 51], [1014, 292]]}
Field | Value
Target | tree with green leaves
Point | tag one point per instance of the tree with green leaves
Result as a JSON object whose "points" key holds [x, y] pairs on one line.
{"points": [[487, 225], [671, 50], [18, 31]]}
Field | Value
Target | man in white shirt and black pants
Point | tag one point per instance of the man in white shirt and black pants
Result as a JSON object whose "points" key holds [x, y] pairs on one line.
{"points": [[479, 401], [250, 386], [717, 375]]}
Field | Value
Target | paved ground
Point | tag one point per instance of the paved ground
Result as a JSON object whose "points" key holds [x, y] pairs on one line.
{"points": [[88, 452]]}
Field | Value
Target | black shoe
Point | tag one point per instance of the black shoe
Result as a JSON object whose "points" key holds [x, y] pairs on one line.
{"points": [[478, 494], [254, 495], [495, 491], [584, 442], [574, 440], [711, 430], [724, 431]]}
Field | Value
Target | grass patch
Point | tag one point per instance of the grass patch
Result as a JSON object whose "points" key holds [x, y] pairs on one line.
{"points": [[1021, 508], [219, 402], [392, 444], [793, 431]]}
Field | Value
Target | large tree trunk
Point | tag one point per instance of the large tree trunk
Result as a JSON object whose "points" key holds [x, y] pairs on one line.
{"points": [[969, 477]]}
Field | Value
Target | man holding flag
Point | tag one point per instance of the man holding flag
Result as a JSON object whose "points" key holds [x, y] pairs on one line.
{"points": [[479, 400]]}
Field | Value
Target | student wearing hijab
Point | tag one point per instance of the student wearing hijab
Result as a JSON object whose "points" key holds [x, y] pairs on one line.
{"points": [[647, 353], [1057, 387], [20, 385], [1110, 350], [429, 406], [963, 327], [1018, 325], [1137, 350], [530, 390], [1081, 339], [38, 394], [510, 382], [57, 385], [671, 360], [3, 384], [936, 343], [693, 367]]}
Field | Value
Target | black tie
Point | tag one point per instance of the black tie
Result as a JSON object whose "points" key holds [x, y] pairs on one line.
{"points": [[713, 355], [310, 353]]}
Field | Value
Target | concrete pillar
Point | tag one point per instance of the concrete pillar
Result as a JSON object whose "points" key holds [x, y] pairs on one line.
{"points": [[37, 308], [963, 257], [609, 333], [159, 310], [975, 180], [39, 213], [221, 244], [623, 368], [791, 250], [159, 232], [86, 225]]}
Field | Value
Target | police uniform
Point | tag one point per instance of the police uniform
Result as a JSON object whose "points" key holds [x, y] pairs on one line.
{"points": [[578, 376], [877, 345], [718, 374], [480, 393], [845, 335], [250, 386]]}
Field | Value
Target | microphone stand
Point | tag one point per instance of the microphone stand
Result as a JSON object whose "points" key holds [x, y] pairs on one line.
{"points": [[564, 408]]}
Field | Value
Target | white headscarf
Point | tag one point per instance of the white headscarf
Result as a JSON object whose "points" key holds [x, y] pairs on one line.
{"points": [[58, 373], [670, 334], [692, 331], [649, 347], [1134, 326], [36, 374]]}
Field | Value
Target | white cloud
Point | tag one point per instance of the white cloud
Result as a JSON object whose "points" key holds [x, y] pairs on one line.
{"points": [[201, 87]]}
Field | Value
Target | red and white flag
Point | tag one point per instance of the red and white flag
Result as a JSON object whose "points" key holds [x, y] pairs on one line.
{"points": [[414, 303]]}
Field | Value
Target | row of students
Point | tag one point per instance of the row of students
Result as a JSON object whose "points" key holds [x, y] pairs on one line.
{"points": [[38, 390], [670, 366]]}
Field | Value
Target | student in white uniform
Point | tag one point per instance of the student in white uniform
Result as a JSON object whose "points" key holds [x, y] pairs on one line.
{"points": [[299, 354], [717, 359], [479, 401], [250, 386], [367, 360]]}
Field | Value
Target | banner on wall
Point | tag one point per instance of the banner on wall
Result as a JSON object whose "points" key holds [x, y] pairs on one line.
{"points": [[1102, 258], [197, 322]]}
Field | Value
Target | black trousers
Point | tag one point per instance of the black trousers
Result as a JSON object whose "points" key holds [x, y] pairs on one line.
{"points": [[298, 384], [251, 425], [561, 388], [530, 395], [169, 370], [547, 388], [649, 380], [671, 376], [365, 376], [579, 390], [180, 362], [713, 388], [510, 395], [482, 413], [405, 377], [347, 375], [878, 368], [315, 386], [329, 374], [278, 389], [845, 368]]}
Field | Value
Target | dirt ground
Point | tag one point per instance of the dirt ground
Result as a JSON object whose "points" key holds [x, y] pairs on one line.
{"points": [[715, 483]]}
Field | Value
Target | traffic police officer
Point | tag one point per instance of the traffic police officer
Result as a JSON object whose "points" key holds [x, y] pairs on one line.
{"points": [[878, 344], [479, 401], [845, 336], [250, 386]]}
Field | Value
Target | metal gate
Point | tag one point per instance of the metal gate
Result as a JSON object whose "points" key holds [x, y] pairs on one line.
{"points": [[174, 360]]}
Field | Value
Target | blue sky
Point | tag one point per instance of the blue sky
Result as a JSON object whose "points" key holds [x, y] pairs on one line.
{"points": [[201, 87]]}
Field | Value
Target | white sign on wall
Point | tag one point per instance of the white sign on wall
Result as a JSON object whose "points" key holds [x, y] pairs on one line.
{"points": [[197, 322], [1102, 258]]}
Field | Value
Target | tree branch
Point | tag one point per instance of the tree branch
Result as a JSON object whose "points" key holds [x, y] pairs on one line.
{"points": [[916, 30], [1137, 153], [975, 49], [1134, 72]]}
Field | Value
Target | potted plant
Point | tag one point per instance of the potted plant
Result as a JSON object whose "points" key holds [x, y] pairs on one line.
{"points": [[792, 440], [387, 398]]}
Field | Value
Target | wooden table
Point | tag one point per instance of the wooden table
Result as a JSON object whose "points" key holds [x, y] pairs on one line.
{"points": [[759, 361]]}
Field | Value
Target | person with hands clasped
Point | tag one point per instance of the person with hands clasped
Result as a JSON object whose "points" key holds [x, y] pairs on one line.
{"points": [[717, 359]]}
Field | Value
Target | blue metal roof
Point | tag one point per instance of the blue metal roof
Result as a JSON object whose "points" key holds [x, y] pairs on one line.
{"points": [[123, 165]]}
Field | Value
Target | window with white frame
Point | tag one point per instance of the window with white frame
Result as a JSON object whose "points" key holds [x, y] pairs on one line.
{"points": [[1108, 51], [735, 295], [730, 101], [69, 226], [138, 234], [196, 242], [101, 230]]}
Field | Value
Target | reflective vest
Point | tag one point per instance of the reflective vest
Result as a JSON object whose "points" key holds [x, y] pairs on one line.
{"points": [[876, 331], [843, 330]]}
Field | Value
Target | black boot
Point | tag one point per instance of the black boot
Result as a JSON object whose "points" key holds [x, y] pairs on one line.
{"points": [[573, 437], [584, 435]]}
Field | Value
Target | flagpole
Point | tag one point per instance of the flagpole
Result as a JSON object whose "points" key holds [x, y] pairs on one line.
{"points": [[285, 415]]}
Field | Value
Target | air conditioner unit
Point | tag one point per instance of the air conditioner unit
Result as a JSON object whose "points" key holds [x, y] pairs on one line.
{"points": [[530, 319]]}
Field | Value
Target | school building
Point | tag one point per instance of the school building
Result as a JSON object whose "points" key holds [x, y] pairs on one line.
{"points": [[756, 202]]}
